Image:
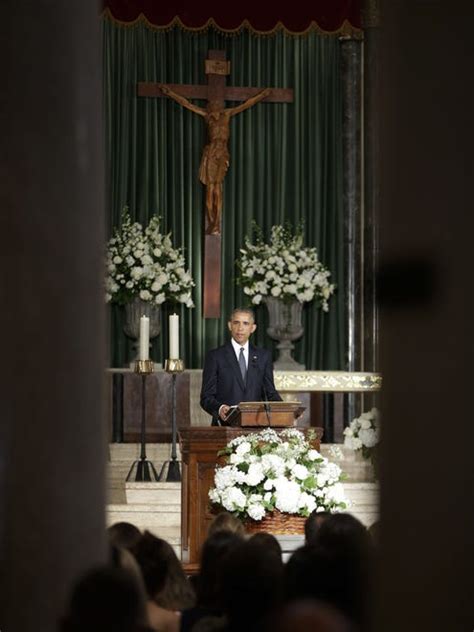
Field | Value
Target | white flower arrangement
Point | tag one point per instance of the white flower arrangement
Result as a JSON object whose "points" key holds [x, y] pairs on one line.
{"points": [[363, 433], [269, 471], [143, 263], [283, 269]]}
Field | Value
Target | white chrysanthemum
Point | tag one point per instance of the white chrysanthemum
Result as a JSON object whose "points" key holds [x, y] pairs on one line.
{"points": [[255, 474], [321, 479], [224, 477], [300, 472], [243, 448], [233, 499], [336, 494], [240, 477], [307, 501], [256, 511], [136, 272], [313, 455], [365, 423], [368, 437], [214, 495], [269, 483], [273, 463], [287, 496]]}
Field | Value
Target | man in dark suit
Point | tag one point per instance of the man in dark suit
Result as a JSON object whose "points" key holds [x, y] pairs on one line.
{"points": [[237, 371]]}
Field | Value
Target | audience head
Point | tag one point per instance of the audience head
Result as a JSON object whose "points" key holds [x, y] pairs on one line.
{"points": [[312, 524], [344, 533], [336, 569], [214, 554], [266, 540], [252, 585], [106, 598], [301, 616], [225, 521], [313, 572], [163, 574], [124, 534]]}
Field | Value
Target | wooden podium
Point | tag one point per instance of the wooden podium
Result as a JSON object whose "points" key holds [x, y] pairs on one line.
{"points": [[258, 414], [199, 448]]}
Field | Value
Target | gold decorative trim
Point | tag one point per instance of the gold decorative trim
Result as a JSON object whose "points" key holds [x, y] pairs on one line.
{"points": [[332, 381], [346, 28]]}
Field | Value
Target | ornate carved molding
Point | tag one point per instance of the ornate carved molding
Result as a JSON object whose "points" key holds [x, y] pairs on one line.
{"points": [[332, 381]]}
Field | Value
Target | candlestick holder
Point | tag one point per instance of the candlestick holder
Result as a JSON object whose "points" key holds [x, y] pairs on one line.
{"points": [[142, 469], [173, 366]]}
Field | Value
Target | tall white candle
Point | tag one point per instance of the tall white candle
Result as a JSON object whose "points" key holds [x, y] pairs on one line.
{"points": [[144, 338], [174, 337]]}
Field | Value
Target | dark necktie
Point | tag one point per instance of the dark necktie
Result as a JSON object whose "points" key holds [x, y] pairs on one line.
{"points": [[243, 368]]}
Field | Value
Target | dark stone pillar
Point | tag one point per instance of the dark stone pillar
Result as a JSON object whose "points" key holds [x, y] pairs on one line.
{"points": [[52, 430], [351, 60], [427, 318], [371, 183]]}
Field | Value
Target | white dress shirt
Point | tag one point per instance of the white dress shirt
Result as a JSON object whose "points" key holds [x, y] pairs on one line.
{"points": [[237, 349]]}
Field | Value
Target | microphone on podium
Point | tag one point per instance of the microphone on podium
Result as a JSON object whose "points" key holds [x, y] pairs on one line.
{"points": [[266, 405]]}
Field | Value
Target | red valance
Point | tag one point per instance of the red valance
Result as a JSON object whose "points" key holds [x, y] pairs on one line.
{"points": [[294, 16]]}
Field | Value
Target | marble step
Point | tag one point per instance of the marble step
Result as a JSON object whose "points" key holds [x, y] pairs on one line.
{"points": [[161, 494], [165, 525]]}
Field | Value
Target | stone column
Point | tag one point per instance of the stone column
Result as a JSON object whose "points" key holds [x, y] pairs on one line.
{"points": [[351, 72], [52, 434], [371, 182]]}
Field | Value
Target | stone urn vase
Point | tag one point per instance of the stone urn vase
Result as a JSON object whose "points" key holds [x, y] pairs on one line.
{"points": [[285, 326], [133, 312]]}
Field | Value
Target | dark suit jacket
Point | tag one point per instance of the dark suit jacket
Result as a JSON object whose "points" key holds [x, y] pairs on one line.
{"points": [[222, 381]]}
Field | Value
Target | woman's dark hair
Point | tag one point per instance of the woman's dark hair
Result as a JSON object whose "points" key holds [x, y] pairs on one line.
{"points": [[105, 598], [252, 585], [163, 574], [124, 535], [214, 554], [267, 540], [312, 525]]}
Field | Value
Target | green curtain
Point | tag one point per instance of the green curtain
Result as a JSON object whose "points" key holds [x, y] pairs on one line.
{"points": [[286, 164]]}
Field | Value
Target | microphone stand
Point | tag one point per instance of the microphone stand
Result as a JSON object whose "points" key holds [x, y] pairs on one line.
{"points": [[266, 405]]}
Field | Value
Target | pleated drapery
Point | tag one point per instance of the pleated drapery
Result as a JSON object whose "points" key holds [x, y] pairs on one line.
{"points": [[286, 164]]}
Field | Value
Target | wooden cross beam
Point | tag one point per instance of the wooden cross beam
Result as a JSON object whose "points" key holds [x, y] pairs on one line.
{"points": [[215, 158]]}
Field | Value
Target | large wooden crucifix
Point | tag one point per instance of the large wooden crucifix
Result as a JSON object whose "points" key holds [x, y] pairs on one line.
{"points": [[215, 157]]}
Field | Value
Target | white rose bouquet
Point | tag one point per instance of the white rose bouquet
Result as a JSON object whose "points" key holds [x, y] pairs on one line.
{"points": [[268, 471], [143, 263], [283, 268], [363, 433]]}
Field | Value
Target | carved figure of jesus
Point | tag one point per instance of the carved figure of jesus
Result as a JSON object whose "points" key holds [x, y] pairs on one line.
{"points": [[215, 156]]}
